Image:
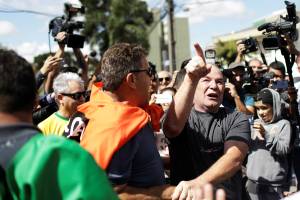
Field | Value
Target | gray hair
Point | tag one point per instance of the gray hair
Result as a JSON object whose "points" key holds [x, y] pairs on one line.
{"points": [[61, 82]]}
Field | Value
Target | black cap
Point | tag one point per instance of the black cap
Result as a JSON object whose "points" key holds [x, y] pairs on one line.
{"points": [[265, 96]]}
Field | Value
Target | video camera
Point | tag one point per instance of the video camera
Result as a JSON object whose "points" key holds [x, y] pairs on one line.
{"points": [[67, 24], [286, 27]]}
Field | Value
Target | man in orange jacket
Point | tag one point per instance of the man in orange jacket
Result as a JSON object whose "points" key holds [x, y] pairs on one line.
{"points": [[118, 133]]}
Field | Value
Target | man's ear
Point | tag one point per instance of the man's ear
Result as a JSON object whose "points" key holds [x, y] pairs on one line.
{"points": [[59, 98], [131, 80]]}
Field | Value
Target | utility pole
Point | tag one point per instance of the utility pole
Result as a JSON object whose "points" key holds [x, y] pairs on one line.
{"points": [[172, 43]]}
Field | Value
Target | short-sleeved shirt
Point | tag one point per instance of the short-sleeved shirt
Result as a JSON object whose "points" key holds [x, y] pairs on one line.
{"points": [[137, 163], [201, 144], [247, 99], [54, 125]]}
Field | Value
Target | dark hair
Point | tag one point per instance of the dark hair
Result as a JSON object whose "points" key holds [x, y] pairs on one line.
{"points": [[279, 66], [184, 63], [117, 62], [153, 67], [179, 78], [265, 95], [17, 85]]}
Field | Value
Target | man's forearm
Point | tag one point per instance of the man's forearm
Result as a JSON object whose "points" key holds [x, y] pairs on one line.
{"points": [[239, 58], [61, 51], [222, 170], [226, 166], [82, 64], [180, 108], [241, 106]]}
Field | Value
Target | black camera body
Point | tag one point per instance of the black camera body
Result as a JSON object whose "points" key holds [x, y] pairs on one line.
{"points": [[66, 24], [250, 45], [286, 27]]}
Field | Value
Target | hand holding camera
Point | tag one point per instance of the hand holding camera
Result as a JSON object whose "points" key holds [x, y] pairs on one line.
{"points": [[241, 48]]}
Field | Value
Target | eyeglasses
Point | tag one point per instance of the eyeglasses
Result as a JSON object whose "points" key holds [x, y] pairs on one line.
{"points": [[76, 96], [164, 78], [148, 71]]}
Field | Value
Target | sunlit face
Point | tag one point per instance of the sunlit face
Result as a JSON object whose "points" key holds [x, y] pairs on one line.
{"points": [[70, 104], [255, 65], [265, 111], [209, 92], [164, 78]]}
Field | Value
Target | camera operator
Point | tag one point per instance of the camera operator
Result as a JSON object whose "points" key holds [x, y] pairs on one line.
{"points": [[294, 94], [234, 91], [255, 64], [49, 71], [52, 67]]}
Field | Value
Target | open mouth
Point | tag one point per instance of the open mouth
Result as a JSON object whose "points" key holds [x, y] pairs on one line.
{"points": [[213, 96]]}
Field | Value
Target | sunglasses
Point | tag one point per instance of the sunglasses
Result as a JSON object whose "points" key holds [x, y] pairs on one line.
{"points": [[148, 71], [76, 96], [165, 78]]}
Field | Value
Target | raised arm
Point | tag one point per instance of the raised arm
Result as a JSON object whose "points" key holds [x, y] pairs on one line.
{"points": [[81, 60], [181, 106]]}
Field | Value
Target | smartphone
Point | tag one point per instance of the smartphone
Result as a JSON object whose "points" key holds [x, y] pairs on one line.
{"points": [[163, 98], [282, 85]]}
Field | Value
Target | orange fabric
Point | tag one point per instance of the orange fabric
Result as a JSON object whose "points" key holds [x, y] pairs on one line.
{"points": [[156, 112], [111, 125]]}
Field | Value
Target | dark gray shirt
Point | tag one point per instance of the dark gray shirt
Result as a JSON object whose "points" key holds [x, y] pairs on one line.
{"points": [[201, 144]]}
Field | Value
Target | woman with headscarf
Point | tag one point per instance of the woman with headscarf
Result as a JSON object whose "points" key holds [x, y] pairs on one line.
{"points": [[267, 165]]}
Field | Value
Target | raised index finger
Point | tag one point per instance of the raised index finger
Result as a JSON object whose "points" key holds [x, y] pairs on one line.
{"points": [[199, 51]]}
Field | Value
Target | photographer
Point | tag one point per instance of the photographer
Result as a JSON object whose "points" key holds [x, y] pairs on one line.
{"points": [[255, 64], [52, 67], [234, 91]]}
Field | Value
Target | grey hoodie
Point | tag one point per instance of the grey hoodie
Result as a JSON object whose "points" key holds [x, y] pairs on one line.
{"points": [[267, 161]]}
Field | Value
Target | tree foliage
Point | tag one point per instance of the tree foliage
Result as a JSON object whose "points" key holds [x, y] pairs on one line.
{"points": [[109, 22], [227, 51]]}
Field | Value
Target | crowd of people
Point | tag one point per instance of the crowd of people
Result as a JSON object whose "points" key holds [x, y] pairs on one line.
{"points": [[130, 132]]}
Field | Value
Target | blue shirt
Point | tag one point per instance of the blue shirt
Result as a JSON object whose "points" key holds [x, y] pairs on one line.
{"points": [[137, 163], [247, 99]]}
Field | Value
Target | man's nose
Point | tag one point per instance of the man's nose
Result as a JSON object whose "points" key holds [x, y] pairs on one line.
{"points": [[212, 84]]}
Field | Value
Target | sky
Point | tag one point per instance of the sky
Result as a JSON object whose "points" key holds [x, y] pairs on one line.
{"points": [[28, 33]]}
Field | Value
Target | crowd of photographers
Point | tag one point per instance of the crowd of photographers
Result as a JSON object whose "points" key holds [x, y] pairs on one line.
{"points": [[127, 131]]}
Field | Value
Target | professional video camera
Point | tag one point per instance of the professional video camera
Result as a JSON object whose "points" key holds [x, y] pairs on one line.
{"points": [[67, 24], [281, 28], [250, 45]]}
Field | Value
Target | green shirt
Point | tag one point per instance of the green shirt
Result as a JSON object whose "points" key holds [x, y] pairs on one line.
{"points": [[56, 168]]}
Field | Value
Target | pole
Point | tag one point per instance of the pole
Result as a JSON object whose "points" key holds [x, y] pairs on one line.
{"points": [[172, 43]]}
